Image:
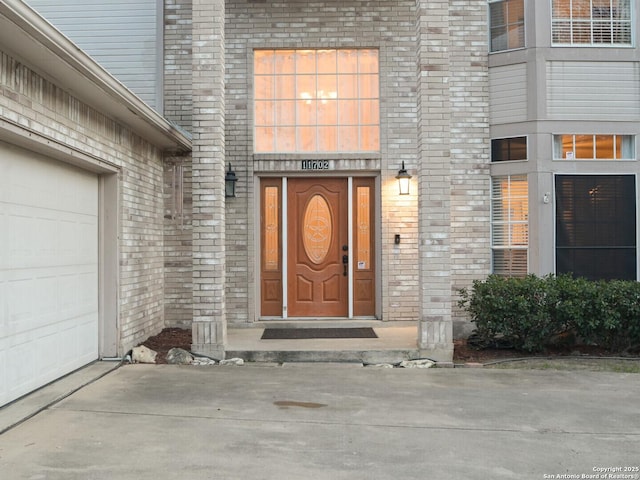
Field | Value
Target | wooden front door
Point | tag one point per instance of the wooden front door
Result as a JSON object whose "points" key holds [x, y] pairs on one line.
{"points": [[318, 250]]}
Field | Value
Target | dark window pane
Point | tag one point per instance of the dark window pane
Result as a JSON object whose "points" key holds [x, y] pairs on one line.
{"points": [[597, 264], [505, 149], [518, 148], [596, 226], [499, 150]]}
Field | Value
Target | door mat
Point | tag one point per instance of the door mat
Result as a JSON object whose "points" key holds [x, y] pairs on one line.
{"points": [[306, 333]]}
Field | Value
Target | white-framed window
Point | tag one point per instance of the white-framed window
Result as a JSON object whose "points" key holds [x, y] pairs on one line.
{"points": [[591, 22], [506, 24], [508, 149], [316, 101], [593, 147], [510, 225]]}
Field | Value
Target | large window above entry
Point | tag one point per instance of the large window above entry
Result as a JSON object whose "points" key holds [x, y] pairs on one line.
{"points": [[318, 101], [591, 22], [593, 147], [506, 19]]}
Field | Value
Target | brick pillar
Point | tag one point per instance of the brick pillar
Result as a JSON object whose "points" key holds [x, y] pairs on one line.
{"points": [[209, 318], [435, 332]]}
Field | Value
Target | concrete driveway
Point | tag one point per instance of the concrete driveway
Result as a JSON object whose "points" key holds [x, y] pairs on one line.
{"points": [[318, 421]]}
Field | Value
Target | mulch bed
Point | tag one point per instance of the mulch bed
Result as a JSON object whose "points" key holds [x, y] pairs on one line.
{"points": [[462, 353], [168, 339]]}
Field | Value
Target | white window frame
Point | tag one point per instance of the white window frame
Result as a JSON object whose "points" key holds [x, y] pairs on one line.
{"points": [[508, 223], [555, 21], [628, 143]]}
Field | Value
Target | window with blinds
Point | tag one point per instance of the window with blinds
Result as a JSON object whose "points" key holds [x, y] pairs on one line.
{"points": [[596, 226], [506, 24], [593, 147], [591, 22], [510, 225]]}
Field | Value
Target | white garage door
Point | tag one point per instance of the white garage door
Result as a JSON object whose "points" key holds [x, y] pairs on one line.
{"points": [[48, 270]]}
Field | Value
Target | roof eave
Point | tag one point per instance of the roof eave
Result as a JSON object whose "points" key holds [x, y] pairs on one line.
{"points": [[34, 41]]}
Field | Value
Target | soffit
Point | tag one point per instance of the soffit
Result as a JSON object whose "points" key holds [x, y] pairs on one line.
{"points": [[32, 40]]}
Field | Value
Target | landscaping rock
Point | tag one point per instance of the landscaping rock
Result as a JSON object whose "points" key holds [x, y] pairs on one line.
{"points": [[199, 361], [142, 354], [178, 356], [421, 363], [232, 362]]}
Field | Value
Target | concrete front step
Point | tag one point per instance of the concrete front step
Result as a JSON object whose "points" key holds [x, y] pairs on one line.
{"points": [[343, 356]]}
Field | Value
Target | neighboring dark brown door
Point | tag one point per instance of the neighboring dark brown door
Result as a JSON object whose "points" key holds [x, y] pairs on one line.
{"points": [[318, 248]]}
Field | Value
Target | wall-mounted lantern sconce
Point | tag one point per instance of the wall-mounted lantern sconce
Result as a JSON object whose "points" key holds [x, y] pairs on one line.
{"points": [[230, 180], [403, 180]]}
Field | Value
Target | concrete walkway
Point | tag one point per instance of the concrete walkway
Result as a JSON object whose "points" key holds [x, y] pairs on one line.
{"points": [[392, 345], [331, 421]]}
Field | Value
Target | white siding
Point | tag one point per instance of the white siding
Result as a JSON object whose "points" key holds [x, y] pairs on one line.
{"points": [[593, 90], [121, 35], [508, 94]]}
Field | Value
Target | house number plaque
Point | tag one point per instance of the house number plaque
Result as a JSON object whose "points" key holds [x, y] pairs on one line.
{"points": [[315, 164]]}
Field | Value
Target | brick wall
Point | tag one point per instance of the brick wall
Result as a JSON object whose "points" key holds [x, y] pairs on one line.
{"points": [[434, 106], [35, 104], [470, 180], [413, 131], [208, 167], [178, 101], [178, 107], [178, 241], [387, 25]]}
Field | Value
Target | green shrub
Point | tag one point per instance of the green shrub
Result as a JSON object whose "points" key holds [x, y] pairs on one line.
{"points": [[619, 328], [527, 312]]}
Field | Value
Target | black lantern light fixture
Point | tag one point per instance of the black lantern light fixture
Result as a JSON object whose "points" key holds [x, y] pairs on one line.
{"points": [[230, 180], [404, 180]]}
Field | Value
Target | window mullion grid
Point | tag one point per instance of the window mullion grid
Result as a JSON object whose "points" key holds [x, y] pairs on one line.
{"points": [[506, 22], [359, 102], [274, 100], [509, 219], [591, 39], [316, 102], [296, 104], [612, 30], [338, 103], [571, 20]]}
